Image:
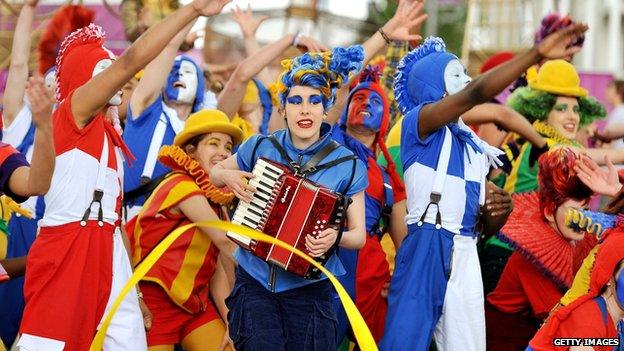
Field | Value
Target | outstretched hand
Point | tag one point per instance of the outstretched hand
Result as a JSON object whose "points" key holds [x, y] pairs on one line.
{"points": [[305, 44], [246, 21], [41, 101], [558, 44], [408, 14], [601, 181], [209, 7]]}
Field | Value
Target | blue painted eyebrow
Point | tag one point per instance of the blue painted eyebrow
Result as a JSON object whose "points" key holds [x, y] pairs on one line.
{"points": [[296, 99], [315, 99]]}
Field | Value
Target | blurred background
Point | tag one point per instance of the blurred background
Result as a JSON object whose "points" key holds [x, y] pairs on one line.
{"points": [[473, 29]]}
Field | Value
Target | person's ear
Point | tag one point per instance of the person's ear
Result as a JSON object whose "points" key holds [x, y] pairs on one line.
{"points": [[550, 216], [190, 150]]}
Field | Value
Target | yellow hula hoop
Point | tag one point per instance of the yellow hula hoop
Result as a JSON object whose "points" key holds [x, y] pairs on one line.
{"points": [[360, 330]]}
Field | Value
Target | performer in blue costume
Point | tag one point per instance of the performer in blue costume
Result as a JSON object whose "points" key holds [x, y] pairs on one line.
{"points": [[156, 115], [436, 287], [362, 126]]}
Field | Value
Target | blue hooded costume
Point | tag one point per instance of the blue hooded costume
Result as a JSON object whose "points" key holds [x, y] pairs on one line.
{"points": [[141, 136], [436, 287]]}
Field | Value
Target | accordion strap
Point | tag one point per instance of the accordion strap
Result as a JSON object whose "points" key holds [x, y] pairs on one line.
{"points": [[312, 165]]}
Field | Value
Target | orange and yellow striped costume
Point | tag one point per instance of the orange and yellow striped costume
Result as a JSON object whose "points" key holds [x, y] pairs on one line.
{"points": [[185, 270]]}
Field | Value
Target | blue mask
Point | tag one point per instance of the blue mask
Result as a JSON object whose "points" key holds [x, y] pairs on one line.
{"points": [[186, 83], [366, 109]]}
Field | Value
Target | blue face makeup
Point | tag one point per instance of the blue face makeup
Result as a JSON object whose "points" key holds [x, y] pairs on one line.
{"points": [[294, 100], [366, 109], [315, 99]]}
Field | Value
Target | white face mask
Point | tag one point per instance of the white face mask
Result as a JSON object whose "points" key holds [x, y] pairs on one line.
{"points": [[455, 77], [101, 66], [188, 77]]}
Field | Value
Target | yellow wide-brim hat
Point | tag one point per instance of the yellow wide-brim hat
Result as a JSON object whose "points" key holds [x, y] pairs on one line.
{"points": [[558, 77], [208, 121]]}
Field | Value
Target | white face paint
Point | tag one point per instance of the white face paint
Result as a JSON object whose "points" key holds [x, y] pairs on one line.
{"points": [[50, 81], [455, 77], [187, 83], [101, 66]]}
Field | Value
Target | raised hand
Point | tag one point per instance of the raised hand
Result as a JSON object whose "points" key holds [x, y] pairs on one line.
{"points": [[558, 44], [408, 14], [209, 7], [601, 181], [304, 44], [246, 21], [41, 102]]}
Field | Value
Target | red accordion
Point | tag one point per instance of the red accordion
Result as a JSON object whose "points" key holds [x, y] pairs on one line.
{"points": [[288, 208]]}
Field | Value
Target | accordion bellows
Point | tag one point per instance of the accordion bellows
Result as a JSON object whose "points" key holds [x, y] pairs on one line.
{"points": [[528, 233]]}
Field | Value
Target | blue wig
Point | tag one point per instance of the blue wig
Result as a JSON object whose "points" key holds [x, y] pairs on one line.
{"points": [[420, 75], [326, 71], [174, 75]]}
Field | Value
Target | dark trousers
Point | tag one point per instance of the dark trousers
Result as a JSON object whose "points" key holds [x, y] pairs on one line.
{"points": [[300, 319]]}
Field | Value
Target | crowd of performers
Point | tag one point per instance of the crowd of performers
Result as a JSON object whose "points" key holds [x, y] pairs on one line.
{"points": [[109, 155]]}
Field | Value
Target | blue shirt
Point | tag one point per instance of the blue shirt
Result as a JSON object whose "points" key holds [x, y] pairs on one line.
{"points": [[464, 186], [335, 178], [137, 135]]}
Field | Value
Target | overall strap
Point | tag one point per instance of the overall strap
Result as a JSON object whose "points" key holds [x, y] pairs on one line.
{"points": [[98, 192], [438, 182]]}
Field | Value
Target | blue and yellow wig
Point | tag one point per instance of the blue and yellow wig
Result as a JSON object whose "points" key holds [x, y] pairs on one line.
{"points": [[325, 71]]}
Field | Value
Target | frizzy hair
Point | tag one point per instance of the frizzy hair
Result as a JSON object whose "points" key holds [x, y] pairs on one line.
{"points": [[558, 181], [325, 71], [535, 105]]}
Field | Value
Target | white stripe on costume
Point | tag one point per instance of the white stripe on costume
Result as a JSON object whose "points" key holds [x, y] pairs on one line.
{"points": [[126, 331], [462, 323]]}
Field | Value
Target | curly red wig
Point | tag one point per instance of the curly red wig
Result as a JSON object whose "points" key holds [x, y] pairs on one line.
{"points": [[558, 180]]}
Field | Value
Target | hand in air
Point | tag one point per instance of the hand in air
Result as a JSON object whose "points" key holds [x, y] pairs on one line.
{"points": [[557, 45], [408, 15], [41, 102], [305, 43], [209, 7], [599, 180], [320, 244], [246, 21]]}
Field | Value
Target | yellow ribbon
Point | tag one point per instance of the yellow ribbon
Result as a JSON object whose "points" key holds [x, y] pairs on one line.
{"points": [[360, 330]]}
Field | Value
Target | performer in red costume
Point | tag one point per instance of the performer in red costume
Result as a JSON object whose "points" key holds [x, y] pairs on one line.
{"points": [[547, 253], [362, 127], [78, 263]]}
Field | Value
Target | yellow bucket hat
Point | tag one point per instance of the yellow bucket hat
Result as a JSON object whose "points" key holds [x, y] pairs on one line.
{"points": [[558, 77], [208, 121]]}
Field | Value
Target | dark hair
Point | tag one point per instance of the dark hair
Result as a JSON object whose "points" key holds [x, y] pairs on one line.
{"points": [[194, 141], [619, 88]]}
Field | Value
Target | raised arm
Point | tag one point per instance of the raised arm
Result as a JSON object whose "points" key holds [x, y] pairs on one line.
{"points": [[155, 76], [399, 28], [486, 86], [613, 132], [249, 25], [505, 117], [35, 180], [231, 97], [18, 70], [93, 96], [408, 14]]}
